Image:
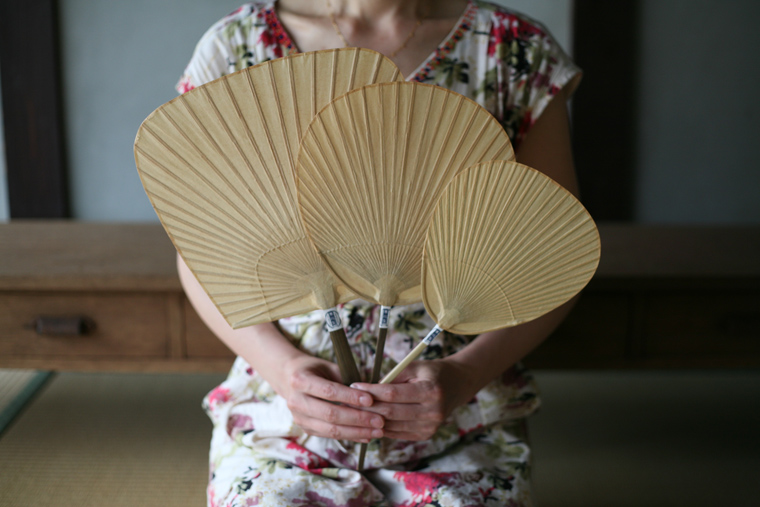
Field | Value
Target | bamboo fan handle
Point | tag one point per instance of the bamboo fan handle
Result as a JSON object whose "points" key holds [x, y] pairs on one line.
{"points": [[411, 356], [382, 332], [349, 373], [377, 366]]}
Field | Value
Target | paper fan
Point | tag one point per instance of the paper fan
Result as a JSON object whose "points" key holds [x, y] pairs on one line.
{"points": [[218, 164], [505, 245], [371, 167]]}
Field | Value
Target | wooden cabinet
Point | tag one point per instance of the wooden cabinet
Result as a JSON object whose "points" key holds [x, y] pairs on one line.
{"points": [[665, 297], [87, 325], [88, 296]]}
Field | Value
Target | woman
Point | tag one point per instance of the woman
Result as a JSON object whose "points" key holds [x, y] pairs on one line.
{"points": [[287, 432]]}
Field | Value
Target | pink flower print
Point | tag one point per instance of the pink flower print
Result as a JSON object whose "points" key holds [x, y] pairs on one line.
{"points": [[340, 457], [267, 38], [528, 30], [498, 37], [185, 85], [463, 431], [313, 499], [541, 80], [311, 462], [423, 485], [218, 395], [238, 423]]}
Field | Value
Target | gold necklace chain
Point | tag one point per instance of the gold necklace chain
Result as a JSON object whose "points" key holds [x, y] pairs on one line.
{"points": [[346, 44]]}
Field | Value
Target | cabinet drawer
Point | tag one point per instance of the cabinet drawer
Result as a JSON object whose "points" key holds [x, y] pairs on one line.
{"points": [[593, 335], [717, 323], [112, 324]]}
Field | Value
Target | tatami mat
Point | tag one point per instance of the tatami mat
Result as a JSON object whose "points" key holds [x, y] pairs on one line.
{"points": [[109, 440], [647, 439], [17, 387], [618, 439]]}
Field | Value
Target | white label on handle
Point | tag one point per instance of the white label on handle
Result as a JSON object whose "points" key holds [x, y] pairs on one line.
{"points": [[385, 314], [332, 320], [431, 335]]}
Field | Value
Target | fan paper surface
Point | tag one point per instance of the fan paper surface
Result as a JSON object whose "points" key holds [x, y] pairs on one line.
{"points": [[506, 245], [371, 167], [218, 164]]}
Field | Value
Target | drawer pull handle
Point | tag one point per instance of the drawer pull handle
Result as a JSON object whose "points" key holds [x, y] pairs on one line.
{"points": [[63, 326]]}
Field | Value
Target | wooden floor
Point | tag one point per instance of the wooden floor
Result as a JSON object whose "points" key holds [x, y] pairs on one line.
{"points": [[601, 439]]}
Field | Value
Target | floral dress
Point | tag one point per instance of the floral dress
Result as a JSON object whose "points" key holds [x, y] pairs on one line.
{"points": [[479, 457]]}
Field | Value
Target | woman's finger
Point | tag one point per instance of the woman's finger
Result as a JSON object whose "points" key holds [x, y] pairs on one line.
{"points": [[397, 411], [321, 428], [307, 382], [333, 414], [408, 392]]}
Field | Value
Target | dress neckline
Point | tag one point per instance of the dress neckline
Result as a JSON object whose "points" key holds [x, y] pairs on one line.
{"points": [[423, 70]]}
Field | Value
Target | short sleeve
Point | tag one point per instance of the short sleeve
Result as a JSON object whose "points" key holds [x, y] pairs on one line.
{"points": [[239, 40], [536, 69]]}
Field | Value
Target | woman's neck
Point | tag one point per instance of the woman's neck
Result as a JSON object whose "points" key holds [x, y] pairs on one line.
{"points": [[373, 10], [402, 28]]}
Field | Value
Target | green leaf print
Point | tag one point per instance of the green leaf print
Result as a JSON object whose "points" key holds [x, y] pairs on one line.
{"points": [[409, 323], [454, 70], [271, 465], [488, 87]]}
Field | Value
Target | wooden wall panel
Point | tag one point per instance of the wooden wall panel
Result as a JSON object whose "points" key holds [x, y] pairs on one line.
{"points": [[32, 111]]}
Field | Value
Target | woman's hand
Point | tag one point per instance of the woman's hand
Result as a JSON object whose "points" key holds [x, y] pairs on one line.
{"points": [[421, 398], [319, 402], [322, 405]]}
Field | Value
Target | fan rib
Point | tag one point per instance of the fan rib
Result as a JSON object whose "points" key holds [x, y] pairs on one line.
{"points": [[372, 192], [286, 203], [421, 176], [347, 157], [396, 199], [522, 253], [445, 176], [333, 76], [284, 132], [498, 232], [203, 234], [190, 241], [521, 276], [219, 151], [213, 256], [354, 158], [352, 72], [220, 118], [493, 225], [294, 100], [179, 196], [327, 203]]}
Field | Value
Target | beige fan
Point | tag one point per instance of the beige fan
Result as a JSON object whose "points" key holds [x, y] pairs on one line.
{"points": [[371, 167], [506, 245], [218, 164]]}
